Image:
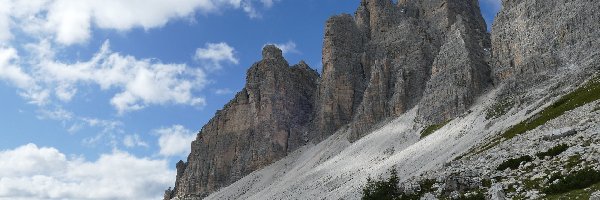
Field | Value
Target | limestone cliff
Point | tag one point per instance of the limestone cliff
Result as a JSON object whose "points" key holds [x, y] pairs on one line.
{"points": [[533, 41], [260, 125], [377, 65]]}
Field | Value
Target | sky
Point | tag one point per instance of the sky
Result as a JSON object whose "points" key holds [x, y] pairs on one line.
{"points": [[100, 99]]}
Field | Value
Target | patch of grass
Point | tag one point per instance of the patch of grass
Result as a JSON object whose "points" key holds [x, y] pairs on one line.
{"points": [[573, 161], [576, 194], [498, 109], [514, 163], [431, 129], [554, 151], [554, 177], [530, 184], [583, 95], [578, 180]]}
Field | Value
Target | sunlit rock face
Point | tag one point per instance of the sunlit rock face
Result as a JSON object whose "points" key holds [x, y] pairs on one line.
{"points": [[264, 121]]}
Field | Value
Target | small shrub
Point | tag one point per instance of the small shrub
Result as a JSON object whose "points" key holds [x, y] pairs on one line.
{"points": [[427, 186], [498, 109], [486, 183], [431, 129], [514, 163], [578, 180], [382, 189], [554, 151]]}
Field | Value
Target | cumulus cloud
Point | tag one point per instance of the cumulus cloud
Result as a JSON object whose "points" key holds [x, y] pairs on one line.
{"points": [[32, 172], [214, 54], [139, 82], [71, 22], [288, 47], [175, 140]]}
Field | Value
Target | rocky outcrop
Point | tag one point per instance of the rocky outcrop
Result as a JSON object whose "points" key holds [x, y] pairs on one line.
{"points": [[459, 74], [535, 40], [264, 122], [343, 78]]}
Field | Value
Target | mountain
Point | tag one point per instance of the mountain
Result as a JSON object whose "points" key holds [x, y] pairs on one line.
{"points": [[419, 86]]}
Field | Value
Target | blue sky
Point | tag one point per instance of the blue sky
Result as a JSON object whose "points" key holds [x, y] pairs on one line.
{"points": [[88, 87]]}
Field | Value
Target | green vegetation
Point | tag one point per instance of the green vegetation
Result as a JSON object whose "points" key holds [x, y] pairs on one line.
{"points": [[514, 163], [498, 109], [486, 183], [554, 151], [583, 95], [578, 180], [389, 190], [573, 161], [431, 129], [383, 189], [576, 194]]}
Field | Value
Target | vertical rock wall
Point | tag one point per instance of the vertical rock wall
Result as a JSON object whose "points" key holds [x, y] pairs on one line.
{"points": [[264, 121]]}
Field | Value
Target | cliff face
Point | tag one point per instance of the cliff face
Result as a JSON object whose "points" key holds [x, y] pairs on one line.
{"points": [[260, 125], [536, 40], [377, 65]]}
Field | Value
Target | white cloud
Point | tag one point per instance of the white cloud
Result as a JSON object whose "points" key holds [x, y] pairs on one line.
{"points": [[175, 140], [58, 114], [268, 3], [288, 47], [10, 71], [5, 21], [31, 172], [70, 22], [223, 91], [134, 140], [214, 54], [139, 82]]}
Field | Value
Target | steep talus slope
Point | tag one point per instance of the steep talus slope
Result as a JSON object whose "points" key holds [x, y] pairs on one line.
{"points": [[264, 122]]}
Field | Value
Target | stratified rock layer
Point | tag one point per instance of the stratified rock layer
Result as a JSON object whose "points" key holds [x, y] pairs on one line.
{"points": [[260, 125]]}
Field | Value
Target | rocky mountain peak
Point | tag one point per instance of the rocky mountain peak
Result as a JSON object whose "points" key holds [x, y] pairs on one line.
{"points": [[271, 52]]}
